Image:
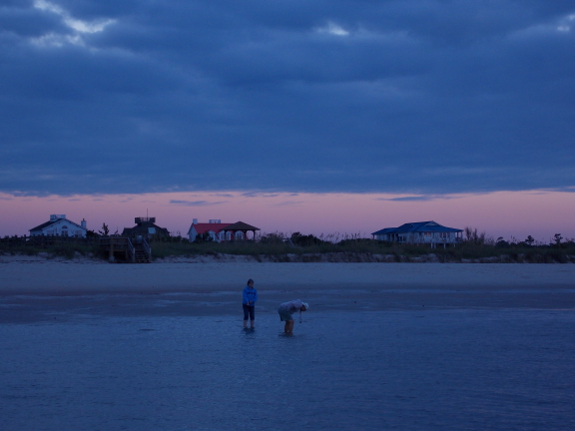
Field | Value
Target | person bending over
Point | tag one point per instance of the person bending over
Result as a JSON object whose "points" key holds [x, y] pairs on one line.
{"points": [[286, 311]]}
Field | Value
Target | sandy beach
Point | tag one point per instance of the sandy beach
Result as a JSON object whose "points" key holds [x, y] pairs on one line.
{"points": [[37, 289]]}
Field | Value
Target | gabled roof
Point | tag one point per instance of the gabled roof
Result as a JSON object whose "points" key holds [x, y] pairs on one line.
{"points": [[240, 226], [51, 222], [387, 230], [423, 226], [43, 225], [206, 227]]}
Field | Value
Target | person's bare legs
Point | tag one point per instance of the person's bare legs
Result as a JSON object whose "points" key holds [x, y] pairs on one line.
{"points": [[289, 326], [252, 323]]}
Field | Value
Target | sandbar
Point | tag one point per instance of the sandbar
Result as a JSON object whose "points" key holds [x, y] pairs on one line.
{"points": [[37, 289]]}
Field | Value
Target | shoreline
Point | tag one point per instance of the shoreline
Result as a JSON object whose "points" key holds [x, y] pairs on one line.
{"points": [[315, 257], [35, 289]]}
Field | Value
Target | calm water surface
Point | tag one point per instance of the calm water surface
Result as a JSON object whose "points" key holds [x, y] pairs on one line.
{"points": [[404, 370]]}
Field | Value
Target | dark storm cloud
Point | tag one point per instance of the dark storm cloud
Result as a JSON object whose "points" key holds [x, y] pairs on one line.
{"points": [[392, 96]]}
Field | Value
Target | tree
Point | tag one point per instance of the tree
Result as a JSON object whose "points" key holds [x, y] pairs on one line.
{"points": [[472, 237], [529, 241], [105, 231], [557, 239]]}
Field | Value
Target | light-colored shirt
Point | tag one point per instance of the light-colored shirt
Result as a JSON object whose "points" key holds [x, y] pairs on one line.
{"points": [[292, 306]]}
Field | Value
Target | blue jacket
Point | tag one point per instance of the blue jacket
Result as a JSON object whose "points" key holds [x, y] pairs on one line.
{"points": [[250, 295]]}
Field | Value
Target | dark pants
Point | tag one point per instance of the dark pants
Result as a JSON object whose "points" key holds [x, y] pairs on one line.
{"points": [[249, 310]]}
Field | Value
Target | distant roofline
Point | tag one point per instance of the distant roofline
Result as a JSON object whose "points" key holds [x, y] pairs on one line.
{"points": [[49, 223], [425, 226], [206, 227]]}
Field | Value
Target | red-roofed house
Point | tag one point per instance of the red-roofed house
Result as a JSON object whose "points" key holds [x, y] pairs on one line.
{"points": [[213, 229], [218, 231]]}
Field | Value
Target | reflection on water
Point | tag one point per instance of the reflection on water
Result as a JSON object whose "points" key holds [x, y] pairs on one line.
{"points": [[432, 370]]}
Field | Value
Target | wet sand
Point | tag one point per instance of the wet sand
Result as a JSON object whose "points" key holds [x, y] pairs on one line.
{"points": [[35, 289]]}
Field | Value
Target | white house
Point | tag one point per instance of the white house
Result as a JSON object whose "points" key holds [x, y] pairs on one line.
{"points": [[59, 225], [426, 232]]}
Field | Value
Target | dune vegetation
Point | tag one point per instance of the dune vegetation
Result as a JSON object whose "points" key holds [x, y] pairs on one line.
{"points": [[297, 247]]}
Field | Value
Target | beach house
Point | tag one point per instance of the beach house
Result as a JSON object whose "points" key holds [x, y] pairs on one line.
{"points": [[59, 225], [217, 231], [426, 232], [146, 228]]}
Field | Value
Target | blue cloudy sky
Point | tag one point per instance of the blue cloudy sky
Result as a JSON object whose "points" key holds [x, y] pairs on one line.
{"points": [[410, 96]]}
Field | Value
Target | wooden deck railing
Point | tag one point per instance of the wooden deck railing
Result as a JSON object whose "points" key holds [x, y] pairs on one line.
{"points": [[135, 250], [118, 247]]}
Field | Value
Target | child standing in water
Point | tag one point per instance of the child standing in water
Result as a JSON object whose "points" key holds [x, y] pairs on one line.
{"points": [[250, 296]]}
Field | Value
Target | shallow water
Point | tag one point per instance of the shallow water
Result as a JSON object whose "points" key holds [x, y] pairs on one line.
{"points": [[405, 370]]}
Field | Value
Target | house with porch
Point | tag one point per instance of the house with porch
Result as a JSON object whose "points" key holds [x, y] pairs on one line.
{"points": [[427, 232], [217, 231], [59, 225]]}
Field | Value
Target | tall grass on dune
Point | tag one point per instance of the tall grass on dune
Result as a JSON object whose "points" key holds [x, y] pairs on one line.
{"points": [[297, 247], [278, 247]]}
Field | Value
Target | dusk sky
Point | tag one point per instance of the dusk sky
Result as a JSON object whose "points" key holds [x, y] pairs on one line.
{"points": [[318, 117]]}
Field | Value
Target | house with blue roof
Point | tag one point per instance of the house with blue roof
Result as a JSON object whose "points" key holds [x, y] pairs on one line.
{"points": [[425, 232]]}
